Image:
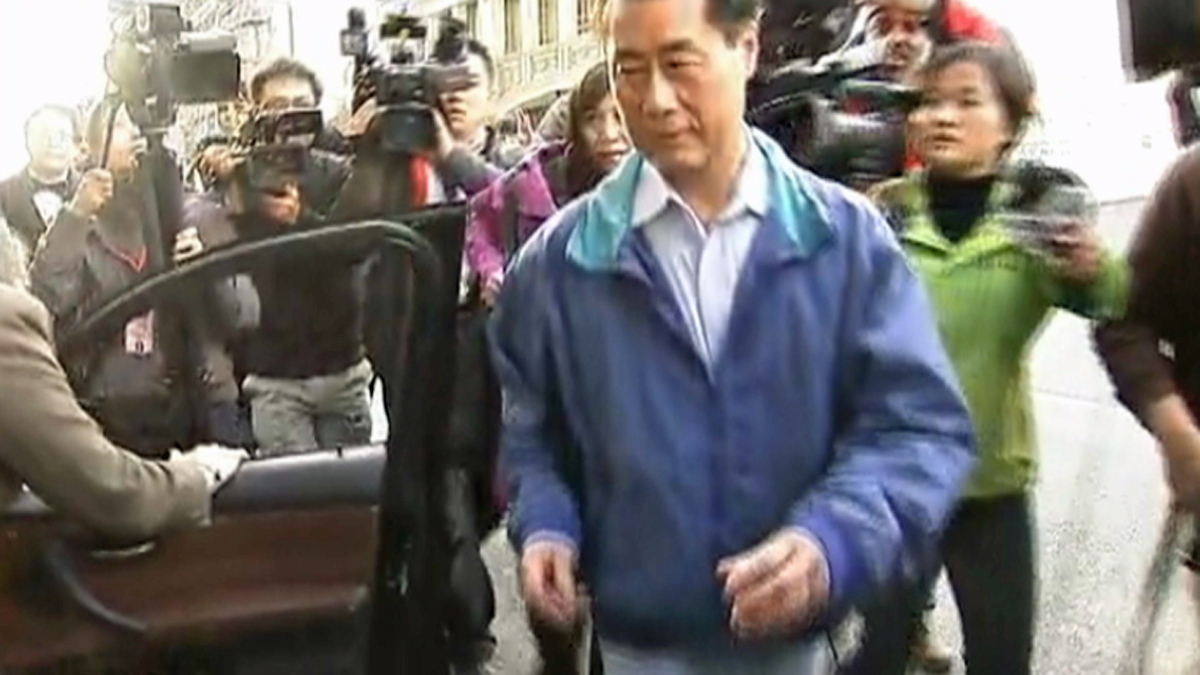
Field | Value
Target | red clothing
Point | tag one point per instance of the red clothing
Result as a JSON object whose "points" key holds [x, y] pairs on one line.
{"points": [[963, 22]]}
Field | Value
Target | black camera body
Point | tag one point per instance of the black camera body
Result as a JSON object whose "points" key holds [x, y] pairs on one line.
{"points": [[840, 123], [159, 62], [405, 86], [273, 149]]}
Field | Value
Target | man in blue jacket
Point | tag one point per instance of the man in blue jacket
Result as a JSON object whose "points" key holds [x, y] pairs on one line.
{"points": [[726, 407]]}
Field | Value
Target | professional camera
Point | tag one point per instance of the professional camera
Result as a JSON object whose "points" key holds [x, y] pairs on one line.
{"points": [[1159, 35], [158, 62], [273, 148], [834, 117], [406, 85]]}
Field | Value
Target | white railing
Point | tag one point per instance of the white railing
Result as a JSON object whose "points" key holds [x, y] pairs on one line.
{"points": [[527, 73]]}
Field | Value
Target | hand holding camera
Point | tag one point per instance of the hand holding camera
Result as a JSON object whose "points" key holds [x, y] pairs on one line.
{"points": [[218, 160], [282, 207], [1077, 254], [94, 191]]}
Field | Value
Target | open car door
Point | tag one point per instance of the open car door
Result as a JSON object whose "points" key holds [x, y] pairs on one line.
{"points": [[326, 562]]}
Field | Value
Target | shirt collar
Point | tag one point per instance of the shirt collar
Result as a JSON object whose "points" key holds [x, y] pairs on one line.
{"points": [[654, 195]]}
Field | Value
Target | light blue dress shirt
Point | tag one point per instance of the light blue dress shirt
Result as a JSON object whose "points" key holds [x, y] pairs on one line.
{"points": [[703, 264]]}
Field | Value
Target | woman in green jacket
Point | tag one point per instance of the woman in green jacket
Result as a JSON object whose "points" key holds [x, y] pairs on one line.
{"points": [[994, 285]]}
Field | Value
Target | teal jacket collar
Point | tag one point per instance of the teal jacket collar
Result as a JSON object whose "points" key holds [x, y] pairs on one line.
{"points": [[606, 218]]}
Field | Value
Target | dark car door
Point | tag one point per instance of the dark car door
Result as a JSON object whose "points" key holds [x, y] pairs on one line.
{"points": [[341, 547]]}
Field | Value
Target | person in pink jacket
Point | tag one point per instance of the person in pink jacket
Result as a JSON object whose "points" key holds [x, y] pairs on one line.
{"points": [[512, 208]]}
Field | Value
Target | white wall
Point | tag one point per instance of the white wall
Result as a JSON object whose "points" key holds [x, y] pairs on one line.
{"points": [[51, 51], [1115, 134]]}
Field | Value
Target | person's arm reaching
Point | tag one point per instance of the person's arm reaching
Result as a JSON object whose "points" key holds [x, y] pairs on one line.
{"points": [[60, 452], [485, 250], [1130, 346], [906, 444]]}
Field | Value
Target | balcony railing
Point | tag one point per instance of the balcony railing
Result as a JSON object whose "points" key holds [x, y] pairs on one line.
{"points": [[534, 70]]}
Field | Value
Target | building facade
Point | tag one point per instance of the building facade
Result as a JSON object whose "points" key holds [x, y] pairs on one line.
{"points": [[541, 47]]}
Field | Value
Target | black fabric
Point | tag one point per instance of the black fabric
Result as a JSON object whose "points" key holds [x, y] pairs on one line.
{"points": [[311, 317], [311, 305], [988, 551], [957, 204], [16, 202]]}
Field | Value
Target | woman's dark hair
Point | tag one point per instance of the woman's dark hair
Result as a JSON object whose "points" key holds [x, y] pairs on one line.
{"points": [[1011, 77], [582, 172]]}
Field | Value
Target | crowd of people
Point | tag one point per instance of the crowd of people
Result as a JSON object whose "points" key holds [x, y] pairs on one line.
{"points": [[735, 401]]}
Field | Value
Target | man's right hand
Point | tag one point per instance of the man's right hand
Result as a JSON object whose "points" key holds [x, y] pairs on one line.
{"points": [[548, 582], [94, 191]]}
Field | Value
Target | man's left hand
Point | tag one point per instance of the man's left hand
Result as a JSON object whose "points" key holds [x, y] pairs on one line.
{"points": [[778, 587]]}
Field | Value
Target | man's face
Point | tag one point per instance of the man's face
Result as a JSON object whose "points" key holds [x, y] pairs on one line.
{"points": [[51, 142], [680, 80], [287, 93], [902, 25], [467, 109]]}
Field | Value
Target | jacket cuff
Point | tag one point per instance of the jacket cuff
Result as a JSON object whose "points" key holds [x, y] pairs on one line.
{"points": [[551, 537], [193, 504], [845, 568]]}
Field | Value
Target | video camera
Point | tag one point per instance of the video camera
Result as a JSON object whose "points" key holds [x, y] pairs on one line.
{"points": [[1159, 35], [406, 85], [273, 147], [158, 62], [836, 117]]}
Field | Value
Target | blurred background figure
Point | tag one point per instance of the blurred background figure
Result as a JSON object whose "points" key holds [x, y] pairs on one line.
{"points": [[32, 198]]}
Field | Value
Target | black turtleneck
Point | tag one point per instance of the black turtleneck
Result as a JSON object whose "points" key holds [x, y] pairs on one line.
{"points": [[958, 204]]}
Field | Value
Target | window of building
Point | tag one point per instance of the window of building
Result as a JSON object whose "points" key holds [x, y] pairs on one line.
{"points": [[547, 22], [512, 26], [470, 16], [585, 11]]}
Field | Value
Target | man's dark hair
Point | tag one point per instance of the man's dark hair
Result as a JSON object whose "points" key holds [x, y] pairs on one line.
{"points": [[284, 68], [479, 49], [731, 16], [53, 109]]}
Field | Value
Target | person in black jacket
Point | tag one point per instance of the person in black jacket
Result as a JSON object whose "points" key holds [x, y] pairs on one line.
{"points": [[33, 197]]}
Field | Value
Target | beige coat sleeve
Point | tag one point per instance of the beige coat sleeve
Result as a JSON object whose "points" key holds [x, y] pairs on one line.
{"points": [[50, 443]]}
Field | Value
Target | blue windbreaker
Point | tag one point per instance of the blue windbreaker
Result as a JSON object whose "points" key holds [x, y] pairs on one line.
{"points": [[832, 407]]}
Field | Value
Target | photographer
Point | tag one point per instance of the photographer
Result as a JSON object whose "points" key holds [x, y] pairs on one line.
{"points": [[307, 375], [468, 154], [94, 249], [993, 285], [282, 85], [466, 112]]}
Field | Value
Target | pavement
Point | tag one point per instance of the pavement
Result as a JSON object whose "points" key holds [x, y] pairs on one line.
{"points": [[1100, 503]]}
